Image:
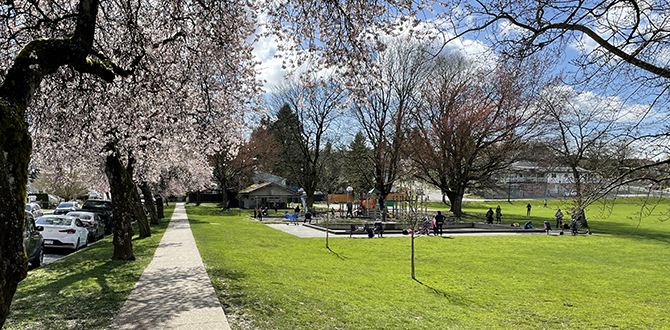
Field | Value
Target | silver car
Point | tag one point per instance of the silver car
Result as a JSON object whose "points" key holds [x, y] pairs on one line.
{"points": [[93, 223], [34, 209]]}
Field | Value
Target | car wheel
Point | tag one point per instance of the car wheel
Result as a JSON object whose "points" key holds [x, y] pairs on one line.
{"points": [[39, 258]]}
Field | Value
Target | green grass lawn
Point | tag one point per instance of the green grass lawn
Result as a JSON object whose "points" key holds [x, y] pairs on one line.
{"points": [[84, 290], [267, 279]]}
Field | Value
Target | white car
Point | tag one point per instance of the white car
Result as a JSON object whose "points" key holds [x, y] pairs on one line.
{"points": [[92, 222], [62, 231], [34, 209]]}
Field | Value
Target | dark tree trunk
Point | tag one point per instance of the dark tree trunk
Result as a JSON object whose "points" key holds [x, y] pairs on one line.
{"points": [[16, 145], [198, 199], [37, 59], [382, 206], [159, 207], [121, 187], [456, 200], [149, 202], [136, 203], [140, 215]]}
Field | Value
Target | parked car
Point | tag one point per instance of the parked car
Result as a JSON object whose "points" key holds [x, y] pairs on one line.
{"points": [[62, 231], [66, 207], [32, 241], [103, 208], [35, 209], [92, 222]]}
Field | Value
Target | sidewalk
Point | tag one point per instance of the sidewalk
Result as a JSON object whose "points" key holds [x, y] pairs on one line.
{"points": [[174, 292], [307, 232]]}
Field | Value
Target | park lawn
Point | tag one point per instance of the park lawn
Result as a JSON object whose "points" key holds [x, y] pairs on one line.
{"points": [[267, 279], [84, 290]]}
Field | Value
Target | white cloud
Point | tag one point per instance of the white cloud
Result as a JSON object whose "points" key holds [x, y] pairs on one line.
{"points": [[272, 69]]}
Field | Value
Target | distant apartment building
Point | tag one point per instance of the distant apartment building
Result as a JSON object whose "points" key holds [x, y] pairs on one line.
{"points": [[530, 180]]}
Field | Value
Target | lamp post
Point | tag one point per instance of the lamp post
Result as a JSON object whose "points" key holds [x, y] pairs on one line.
{"points": [[349, 190]]}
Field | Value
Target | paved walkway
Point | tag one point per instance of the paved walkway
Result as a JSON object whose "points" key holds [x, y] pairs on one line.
{"points": [[307, 232], [174, 292]]}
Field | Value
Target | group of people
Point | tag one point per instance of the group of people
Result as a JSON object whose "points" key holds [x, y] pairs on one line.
{"points": [[489, 215], [436, 224]]}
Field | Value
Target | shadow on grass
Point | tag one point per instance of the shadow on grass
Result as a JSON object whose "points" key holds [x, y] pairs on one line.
{"points": [[630, 230], [452, 298], [60, 281], [336, 254]]}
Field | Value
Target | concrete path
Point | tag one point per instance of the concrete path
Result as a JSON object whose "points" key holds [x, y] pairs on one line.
{"points": [[307, 232], [174, 292]]}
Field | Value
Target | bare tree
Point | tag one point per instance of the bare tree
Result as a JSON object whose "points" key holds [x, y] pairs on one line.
{"points": [[305, 119], [471, 125], [590, 135], [383, 110]]}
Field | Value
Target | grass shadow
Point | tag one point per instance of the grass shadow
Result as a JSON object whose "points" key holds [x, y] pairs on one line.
{"points": [[452, 298], [336, 254]]}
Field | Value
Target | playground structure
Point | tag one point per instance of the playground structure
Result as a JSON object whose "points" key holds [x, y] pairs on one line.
{"points": [[366, 205]]}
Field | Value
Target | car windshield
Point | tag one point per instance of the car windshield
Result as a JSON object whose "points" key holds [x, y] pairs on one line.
{"points": [[54, 221], [97, 204], [27, 207], [82, 216], [64, 205]]}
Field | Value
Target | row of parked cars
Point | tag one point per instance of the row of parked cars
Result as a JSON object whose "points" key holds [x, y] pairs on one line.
{"points": [[70, 227]]}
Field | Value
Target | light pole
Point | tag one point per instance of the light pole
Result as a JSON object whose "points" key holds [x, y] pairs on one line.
{"points": [[349, 189]]}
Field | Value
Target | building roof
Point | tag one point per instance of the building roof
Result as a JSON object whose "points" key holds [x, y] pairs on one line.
{"points": [[258, 186]]}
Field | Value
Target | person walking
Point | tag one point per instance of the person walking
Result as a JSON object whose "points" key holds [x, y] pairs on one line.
{"points": [[528, 210], [439, 221], [489, 216], [545, 203], [228, 206], [559, 219], [498, 214]]}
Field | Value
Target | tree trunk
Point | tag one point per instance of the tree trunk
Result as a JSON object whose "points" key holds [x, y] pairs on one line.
{"points": [[159, 207], [327, 221], [36, 59], [15, 147], [198, 199], [413, 274], [136, 203], [456, 200], [149, 202], [121, 187], [140, 215], [310, 202]]}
